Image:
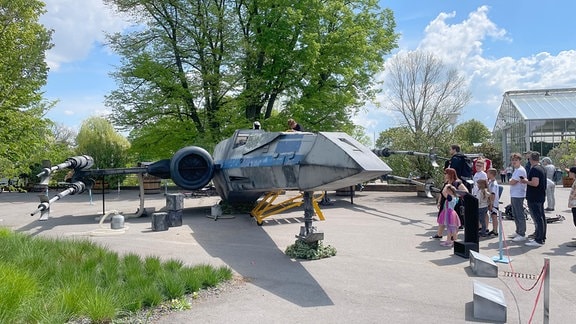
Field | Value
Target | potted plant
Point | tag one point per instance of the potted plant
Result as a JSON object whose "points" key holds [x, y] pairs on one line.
{"points": [[98, 139]]}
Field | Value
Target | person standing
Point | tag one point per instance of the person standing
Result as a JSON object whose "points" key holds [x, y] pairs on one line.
{"points": [[550, 169], [509, 170], [448, 217], [487, 164], [535, 196], [484, 203], [460, 163], [480, 174], [494, 189], [572, 201], [527, 166], [450, 179], [503, 175], [517, 195]]}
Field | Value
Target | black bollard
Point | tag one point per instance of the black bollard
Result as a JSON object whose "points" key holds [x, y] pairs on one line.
{"points": [[470, 227]]}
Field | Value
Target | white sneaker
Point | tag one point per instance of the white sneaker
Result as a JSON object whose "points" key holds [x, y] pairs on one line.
{"points": [[534, 243], [519, 238], [511, 236]]}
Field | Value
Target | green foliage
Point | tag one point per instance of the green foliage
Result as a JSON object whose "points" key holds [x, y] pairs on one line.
{"points": [[54, 280], [98, 139], [359, 133], [23, 43], [491, 152], [23, 71], [303, 250], [199, 70], [563, 156], [402, 139], [470, 132]]}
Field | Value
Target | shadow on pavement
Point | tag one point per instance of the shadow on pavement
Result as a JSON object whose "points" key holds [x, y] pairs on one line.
{"points": [[249, 251]]}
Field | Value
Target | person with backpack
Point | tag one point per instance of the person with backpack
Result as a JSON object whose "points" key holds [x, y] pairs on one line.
{"points": [[462, 164]]}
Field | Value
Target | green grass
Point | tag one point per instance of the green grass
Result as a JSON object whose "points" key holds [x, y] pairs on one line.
{"points": [[44, 280]]}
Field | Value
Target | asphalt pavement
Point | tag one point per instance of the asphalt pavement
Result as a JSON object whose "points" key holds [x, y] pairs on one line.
{"points": [[387, 268]]}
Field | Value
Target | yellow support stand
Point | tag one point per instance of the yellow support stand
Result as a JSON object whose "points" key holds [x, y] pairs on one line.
{"points": [[266, 207]]}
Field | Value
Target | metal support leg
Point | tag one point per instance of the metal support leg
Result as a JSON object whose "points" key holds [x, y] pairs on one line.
{"points": [[308, 232], [308, 211]]}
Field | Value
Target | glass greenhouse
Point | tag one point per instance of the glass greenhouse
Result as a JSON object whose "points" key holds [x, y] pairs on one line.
{"points": [[535, 120]]}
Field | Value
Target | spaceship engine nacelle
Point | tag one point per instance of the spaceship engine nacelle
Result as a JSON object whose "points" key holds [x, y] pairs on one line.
{"points": [[190, 168]]}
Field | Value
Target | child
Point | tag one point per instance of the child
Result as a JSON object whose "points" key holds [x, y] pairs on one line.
{"points": [[448, 217], [494, 189], [479, 174], [483, 196]]}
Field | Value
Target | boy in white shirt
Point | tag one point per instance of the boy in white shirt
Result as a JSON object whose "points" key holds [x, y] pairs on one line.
{"points": [[517, 196], [494, 189], [480, 174]]}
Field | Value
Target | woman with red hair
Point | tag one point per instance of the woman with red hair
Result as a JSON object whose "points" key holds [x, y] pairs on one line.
{"points": [[450, 178]]}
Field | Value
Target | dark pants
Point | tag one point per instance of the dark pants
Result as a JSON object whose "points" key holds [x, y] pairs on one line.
{"points": [[539, 218], [574, 215]]}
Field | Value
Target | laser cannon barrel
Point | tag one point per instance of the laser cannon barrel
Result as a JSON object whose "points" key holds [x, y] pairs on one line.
{"points": [[385, 152], [80, 162], [44, 207]]}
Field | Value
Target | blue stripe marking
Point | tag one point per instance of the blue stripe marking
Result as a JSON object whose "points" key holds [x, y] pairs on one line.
{"points": [[261, 161]]}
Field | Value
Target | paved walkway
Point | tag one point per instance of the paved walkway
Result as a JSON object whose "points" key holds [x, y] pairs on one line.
{"points": [[387, 268]]}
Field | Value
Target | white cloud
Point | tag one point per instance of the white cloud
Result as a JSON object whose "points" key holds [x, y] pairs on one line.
{"points": [[457, 43], [78, 26], [462, 45]]}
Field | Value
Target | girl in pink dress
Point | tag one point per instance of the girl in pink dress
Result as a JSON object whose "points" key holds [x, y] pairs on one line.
{"points": [[448, 216]]}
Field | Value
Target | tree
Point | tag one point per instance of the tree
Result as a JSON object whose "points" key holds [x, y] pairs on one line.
{"points": [[24, 132], [209, 66], [426, 94], [563, 154], [471, 132], [98, 139]]}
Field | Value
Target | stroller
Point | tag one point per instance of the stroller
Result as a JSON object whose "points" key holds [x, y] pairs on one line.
{"points": [[509, 216], [508, 211]]}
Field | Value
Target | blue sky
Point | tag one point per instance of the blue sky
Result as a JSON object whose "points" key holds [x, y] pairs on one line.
{"points": [[498, 45]]}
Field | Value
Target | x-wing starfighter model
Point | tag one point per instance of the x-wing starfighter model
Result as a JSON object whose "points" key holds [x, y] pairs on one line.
{"points": [[248, 165]]}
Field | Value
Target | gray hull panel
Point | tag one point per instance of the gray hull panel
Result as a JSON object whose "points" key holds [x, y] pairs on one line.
{"points": [[253, 162]]}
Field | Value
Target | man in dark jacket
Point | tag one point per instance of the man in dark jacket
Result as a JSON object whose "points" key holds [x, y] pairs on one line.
{"points": [[459, 162]]}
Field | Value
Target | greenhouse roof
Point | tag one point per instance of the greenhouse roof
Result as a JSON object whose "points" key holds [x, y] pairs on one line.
{"points": [[545, 104]]}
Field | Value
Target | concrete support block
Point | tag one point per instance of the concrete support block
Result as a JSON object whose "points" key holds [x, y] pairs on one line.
{"points": [[159, 221], [174, 218], [482, 265], [489, 303], [175, 201]]}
